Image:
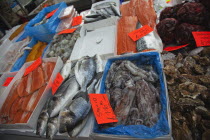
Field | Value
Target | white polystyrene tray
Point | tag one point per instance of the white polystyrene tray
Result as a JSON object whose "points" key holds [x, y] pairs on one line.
{"points": [[31, 124], [97, 136], [91, 34]]}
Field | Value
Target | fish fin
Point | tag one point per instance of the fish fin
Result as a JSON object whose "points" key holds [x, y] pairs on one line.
{"points": [[81, 94]]}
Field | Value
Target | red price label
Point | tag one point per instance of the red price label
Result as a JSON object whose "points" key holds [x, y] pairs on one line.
{"points": [[7, 81], [51, 13], [102, 108], [139, 33], [202, 38], [57, 82], [173, 48], [77, 21], [67, 31], [33, 66]]}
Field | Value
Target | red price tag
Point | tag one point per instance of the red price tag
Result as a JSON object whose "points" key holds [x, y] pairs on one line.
{"points": [[76, 21], [45, 5], [139, 33], [33, 66], [102, 108], [202, 38], [51, 13], [7, 81], [174, 48], [57, 82], [67, 31]]}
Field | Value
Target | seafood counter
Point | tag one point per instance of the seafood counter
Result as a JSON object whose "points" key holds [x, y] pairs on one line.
{"points": [[147, 62]]}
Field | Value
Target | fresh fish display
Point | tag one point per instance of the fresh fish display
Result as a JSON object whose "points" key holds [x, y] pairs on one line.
{"points": [[66, 70], [74, 113], [62, 45], [24, 95], [85, 70], [52, 127], [133, 93], [102, 11], [63, 95], [70, 102], [42, 120], [188, 80]]}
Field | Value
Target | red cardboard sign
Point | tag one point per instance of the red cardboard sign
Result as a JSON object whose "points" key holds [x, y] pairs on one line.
{"points": [[33, 66], [51, 13], [77, 21], [57, 82], [139, 33], [102, 109], [173, 48], [7, 81], [67, 31], [202, 38]]}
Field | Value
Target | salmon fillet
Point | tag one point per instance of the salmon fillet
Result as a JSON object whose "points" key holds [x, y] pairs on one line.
{"points": [[125, 44], [146, 13]]}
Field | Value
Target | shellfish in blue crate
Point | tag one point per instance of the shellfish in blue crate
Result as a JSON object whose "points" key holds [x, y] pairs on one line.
{"points": [[136, 89]]}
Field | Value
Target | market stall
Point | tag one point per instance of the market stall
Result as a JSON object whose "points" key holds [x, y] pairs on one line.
{"points": [[133, 70]]}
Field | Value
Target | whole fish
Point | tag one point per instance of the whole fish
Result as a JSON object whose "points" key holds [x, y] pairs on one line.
{"points": [[99, 63], [74, 113], [85, 70], [66, 70], [52, 127], [63, 96], [42, 120], [78, 128], [91, 88], [79, 109]]}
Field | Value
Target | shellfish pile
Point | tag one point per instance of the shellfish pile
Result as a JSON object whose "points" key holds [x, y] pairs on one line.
{"points": [[188, 80]]}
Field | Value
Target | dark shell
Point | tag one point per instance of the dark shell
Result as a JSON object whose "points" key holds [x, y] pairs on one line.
{"points": [[193, 13], [170, 12], [184, 33], [166, 30]]}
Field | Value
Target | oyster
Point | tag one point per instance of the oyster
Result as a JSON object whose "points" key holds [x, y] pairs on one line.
{"points": [[192, 90], [190, 102], [204, 112]]}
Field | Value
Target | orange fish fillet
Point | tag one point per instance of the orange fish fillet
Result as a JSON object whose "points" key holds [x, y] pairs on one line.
{"points": [[17, 117], [14, 109], [146, 13], [25, 102], [125, 44], [48, 69], [21, 88], [25, 117], [32, 104], [32, 101], [38, 79]]}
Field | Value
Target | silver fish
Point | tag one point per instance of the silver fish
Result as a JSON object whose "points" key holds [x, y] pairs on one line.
{"points": [[85, 70], [78, 128], [65, 72], [91, 88], [42, 120], [63, 96], [89, 20], [109, 11], [115, 10], [79, 109], [99, 63], [52, 127]]}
